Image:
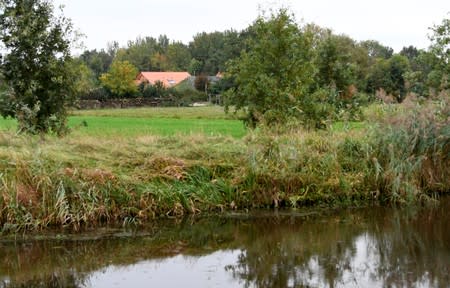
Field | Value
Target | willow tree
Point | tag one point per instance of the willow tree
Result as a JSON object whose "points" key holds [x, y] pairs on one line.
{"points": [[36, 65]]}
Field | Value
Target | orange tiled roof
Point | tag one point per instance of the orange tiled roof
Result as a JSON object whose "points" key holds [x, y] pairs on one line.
{"points": [[169, 79]]}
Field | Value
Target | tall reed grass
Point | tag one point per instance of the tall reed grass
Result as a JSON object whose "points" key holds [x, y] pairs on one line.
{"points": [[411, 152]]}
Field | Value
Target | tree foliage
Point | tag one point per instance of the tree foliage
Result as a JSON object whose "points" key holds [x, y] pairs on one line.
{"points": [[333, 63], [214, 49], [390, 76], [441, 48], [377, 50], [36, 65], [274, 75], [178, 57], [97, 61], [120, 79]]}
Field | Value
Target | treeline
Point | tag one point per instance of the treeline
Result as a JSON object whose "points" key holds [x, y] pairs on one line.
{"points": [[206, 55], [338, 60]]}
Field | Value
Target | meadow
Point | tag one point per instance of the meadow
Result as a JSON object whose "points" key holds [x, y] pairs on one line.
{"points": [[132, 165], [209, 121]]}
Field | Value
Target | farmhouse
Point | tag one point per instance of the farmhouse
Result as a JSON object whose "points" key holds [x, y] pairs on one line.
{"points": [[169, 79]]}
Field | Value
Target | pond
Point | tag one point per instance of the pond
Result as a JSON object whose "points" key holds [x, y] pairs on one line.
{"points": [[359, 247]]}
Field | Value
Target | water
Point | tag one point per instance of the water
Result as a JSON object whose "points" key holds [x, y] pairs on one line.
{"points": [[376, 247]]}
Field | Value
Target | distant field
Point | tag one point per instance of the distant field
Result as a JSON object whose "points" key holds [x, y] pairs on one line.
{"points": [[209, 121], [210, 112], [132, 126]]}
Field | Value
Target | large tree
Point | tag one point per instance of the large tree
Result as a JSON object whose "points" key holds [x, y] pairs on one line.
{"points": [[36, 65], [273, 77]]}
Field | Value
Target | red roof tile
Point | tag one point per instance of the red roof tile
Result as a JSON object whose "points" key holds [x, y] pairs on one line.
{"points": [[169, 79]]}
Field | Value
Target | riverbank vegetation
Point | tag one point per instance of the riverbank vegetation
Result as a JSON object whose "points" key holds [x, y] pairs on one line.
{"points": [[398, 155]]}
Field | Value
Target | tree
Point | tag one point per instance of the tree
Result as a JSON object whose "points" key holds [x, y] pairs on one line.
{"points": [[377, 50], [195, 67], [441, 41], [36, 65], [390, 76], [98, 62], [441, 48], [159, 62], [85, 79], [398, 68], [178, 56], [214, 49], [410, 52], [378, 76], [120, 79], [274, 75], [146, 54], [334, 64]]}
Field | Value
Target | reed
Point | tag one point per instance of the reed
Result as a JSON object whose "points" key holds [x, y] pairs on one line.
{"points": [[411, 153]]}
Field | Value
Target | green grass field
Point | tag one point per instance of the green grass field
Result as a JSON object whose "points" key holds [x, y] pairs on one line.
{"points": [[132, 127], [208, 121]]}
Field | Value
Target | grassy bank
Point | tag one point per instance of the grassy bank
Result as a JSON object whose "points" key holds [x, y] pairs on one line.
{"points": [[132, 175]]}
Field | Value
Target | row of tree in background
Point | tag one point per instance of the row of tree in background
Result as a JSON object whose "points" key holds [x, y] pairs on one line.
{"points": [[338, 60], [273, 69]]}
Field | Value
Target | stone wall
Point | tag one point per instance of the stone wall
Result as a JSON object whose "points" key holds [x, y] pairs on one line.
{"points": [[117, 103]]}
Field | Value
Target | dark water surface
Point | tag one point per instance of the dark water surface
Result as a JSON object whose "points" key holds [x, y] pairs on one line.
{"points": [[371, 247]]}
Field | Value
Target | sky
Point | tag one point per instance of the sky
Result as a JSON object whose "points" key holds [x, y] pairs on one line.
{"points": [[394, 23]]}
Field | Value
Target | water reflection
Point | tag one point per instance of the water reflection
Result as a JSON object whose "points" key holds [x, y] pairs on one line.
{"points": [[354, 248]]}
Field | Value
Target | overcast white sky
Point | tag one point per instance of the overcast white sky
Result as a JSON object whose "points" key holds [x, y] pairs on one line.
{"points": [[395, 23]]}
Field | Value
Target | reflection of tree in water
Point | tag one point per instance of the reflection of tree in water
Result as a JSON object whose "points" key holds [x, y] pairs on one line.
{"points": [[290, 252], [413, 247], [376, 247], [359, 248]]}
